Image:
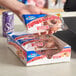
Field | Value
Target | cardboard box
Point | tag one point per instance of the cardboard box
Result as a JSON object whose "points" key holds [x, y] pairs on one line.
{"points": [[23, 46]]}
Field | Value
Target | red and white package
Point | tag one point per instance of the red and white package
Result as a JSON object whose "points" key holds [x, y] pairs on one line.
{"points": [[43, 24]]}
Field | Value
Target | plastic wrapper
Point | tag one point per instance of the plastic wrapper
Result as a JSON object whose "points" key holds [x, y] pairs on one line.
{"points": [[43, 24]]}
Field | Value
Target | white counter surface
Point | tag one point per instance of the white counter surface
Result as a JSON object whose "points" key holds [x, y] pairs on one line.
{"points": [[11, 66]]}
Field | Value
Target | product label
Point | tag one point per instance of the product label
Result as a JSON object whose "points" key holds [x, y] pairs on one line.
{"points": [[42, 23]]}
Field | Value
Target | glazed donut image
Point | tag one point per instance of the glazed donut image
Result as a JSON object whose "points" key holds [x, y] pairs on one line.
{"points": [[53, 23], [65, 54]]}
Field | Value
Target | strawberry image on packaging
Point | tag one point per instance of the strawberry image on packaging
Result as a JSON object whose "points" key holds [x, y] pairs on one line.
{"points": [[42, 23], [37, 50]]}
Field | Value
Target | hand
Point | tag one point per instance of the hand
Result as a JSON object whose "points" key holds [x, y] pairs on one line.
{"points": [[19, 8], [29, 9]]}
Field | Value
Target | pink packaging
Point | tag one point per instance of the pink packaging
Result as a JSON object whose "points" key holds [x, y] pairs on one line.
{"points": [[45, 49], [42, 23]]}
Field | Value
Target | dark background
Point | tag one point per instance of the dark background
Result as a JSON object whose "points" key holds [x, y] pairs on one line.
{"points": [[69, 36], [70, 5]]}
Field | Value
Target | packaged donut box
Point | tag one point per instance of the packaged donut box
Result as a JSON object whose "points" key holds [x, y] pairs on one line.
{"points": [[38, 45], [33, 50]]}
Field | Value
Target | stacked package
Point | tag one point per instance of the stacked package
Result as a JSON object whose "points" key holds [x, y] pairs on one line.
{"points": [[50, 4], [38, 45]]}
